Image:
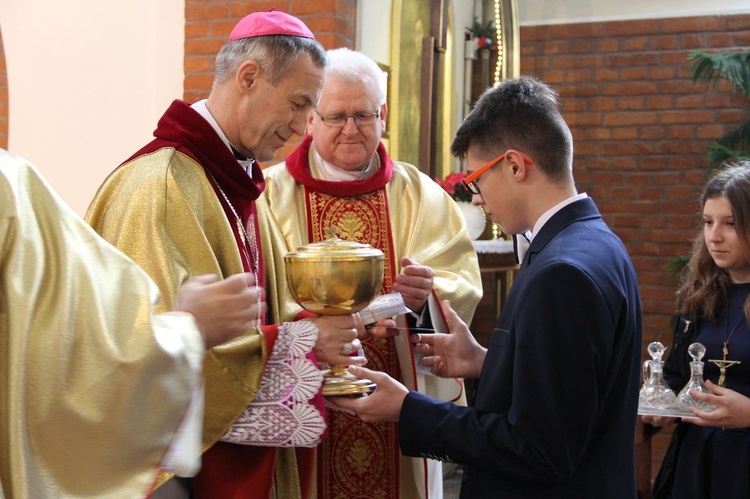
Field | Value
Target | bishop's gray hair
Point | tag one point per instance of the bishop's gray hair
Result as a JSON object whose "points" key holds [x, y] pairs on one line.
{"points": [[275, 54]]}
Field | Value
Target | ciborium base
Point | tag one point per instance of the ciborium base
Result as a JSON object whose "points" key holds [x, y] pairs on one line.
{"points": [[339, 382]]}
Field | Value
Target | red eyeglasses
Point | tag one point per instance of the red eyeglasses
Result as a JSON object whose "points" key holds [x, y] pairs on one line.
{"points": [[471, 180]]}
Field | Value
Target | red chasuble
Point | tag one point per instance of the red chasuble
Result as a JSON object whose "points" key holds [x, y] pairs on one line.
{"points": [[357, 459]]}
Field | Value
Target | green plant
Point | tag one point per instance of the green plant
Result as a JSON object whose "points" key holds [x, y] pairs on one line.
{"points": [[734, 145], [483, 33], [734, 67]]}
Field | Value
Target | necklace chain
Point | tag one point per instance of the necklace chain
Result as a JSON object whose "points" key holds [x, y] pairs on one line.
{"points": [[725, 363], [249, 244]]}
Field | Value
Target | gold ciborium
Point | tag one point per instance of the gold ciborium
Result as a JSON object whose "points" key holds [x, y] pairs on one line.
{"points": [[336, 277]]}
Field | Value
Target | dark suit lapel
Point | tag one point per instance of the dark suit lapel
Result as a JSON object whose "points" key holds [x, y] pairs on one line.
{"points": [[583, 209]]}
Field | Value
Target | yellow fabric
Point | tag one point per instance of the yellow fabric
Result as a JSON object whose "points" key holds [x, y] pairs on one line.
{"points": [[425, 225], [89, 401], [160, 210]]}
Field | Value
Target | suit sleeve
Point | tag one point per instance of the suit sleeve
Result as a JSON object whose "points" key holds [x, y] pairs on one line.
{"points": [[560, 346]]}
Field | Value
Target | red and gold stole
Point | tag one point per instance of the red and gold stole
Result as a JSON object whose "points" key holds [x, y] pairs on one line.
{"points": [[359, 459]]}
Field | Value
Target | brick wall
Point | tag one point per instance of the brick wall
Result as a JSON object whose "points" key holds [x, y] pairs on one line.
{"points": [[209, 22], [3, 99], [641, 131]]}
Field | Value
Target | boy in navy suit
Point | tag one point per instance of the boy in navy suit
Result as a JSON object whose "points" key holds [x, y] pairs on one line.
{"points": [[554, 406]]}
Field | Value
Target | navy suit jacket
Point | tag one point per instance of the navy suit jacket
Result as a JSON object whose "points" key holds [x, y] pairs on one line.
{"points": [[554, 410]]}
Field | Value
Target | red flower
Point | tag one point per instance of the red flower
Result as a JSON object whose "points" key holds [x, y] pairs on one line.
{"points": [[454, 185]]}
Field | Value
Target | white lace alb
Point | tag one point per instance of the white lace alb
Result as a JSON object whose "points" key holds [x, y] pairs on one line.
{"points": [[282, 413]]}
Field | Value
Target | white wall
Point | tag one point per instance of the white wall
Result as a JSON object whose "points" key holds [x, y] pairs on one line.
{"points": [[532, 12], [87, 82]]}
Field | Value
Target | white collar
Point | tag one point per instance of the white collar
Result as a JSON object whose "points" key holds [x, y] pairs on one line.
{"points": [[322, 169], [548, 214], [201, 108]]}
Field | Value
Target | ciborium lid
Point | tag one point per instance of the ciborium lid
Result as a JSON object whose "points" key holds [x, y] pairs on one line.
{"points": [[335, 248]]}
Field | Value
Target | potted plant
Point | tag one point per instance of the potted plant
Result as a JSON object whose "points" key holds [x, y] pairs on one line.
{"points": [[476, 220], [483, 36]]}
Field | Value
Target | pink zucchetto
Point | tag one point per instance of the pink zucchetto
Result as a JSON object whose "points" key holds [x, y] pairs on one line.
{"points": [[269, 23]]}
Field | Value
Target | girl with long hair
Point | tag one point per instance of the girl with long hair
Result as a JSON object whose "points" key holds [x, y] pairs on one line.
{"points": [[709, 455]]}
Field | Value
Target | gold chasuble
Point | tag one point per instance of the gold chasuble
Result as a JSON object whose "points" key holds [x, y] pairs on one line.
{"points": [[91, 394], [171, 208], [403, 213]]}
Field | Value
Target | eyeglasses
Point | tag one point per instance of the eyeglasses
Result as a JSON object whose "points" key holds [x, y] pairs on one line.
{"points": [[471, 180], [339, 120]]}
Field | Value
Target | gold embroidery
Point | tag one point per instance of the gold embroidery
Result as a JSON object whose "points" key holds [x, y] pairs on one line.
{"points": [[359, 460]]}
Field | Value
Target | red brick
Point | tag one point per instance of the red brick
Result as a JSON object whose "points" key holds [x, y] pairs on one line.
{"points": [[578, 91], [630, 88], [632, 28], [631, 103], [730, 115], [606, 75], [635, 59], [636, 43], [651, 193], [625, 133], [653, 163], [659, 102], [602, 104], [300, 8], [739, 22], [672, 117], [579, 46], [222, 29], [638, 73], [719, 40], [662, 73], [676, 57], [709, 132], [664, 42], [692, 41], [628, 118], [551, 77], [197, 29], [198, 81], [632, 221], [702, 24], [678, 192], [573, 104], [608, 45], [598, 133], [627, 163], [205, 47], [578, 75], [191, 96], [206, 12], [553, 48], [533, 33], [635, 206], [320, 24], [624, 193], [689, 102], [675, 222], [651, 132], [198, 64], [681, 132], [583, 30], [238, 10]]}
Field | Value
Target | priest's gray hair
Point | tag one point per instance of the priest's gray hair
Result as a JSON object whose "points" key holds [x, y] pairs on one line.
{"points": [[356, 67], [274, 54]]}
